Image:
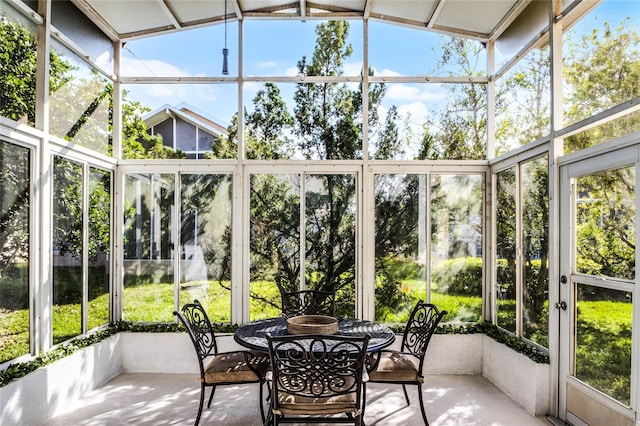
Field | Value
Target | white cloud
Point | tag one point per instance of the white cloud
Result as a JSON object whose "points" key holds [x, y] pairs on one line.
{"points": [[150, 68], [267, 64], [407, 92], [387, 73], [352, 68]]}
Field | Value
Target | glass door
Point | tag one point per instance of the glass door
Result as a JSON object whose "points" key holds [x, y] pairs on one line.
{"points": [[598, 348]]}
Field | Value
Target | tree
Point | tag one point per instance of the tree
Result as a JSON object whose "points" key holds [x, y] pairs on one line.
{"points": [[459, 131]]}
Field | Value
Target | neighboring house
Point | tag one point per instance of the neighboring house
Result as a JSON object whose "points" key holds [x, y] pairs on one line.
{"points": [[183, 127]]}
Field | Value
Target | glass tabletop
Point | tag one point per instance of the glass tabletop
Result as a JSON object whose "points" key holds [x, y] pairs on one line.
{"points": [[254, 334]]}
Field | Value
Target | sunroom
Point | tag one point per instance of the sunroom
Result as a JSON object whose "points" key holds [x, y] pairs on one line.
{"points": [[479, 155]]}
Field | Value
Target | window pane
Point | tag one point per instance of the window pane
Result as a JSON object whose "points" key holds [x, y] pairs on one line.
{"points": [[99, 247], [274, 241], [535, 242], [506, 249], [400, 246], [522, 112], [605, 220], [260, 57], [15, 204], [601, 54], [180, 54], [330, 236], [211, 108], [148, 247], [79, 105], [432, 121], [603, 340], [390, 46], [18, 67], [186, 136], [67, 249], [456, 245], [205, 233]]}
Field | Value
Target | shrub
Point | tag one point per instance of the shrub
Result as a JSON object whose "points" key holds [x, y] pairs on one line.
{"points": [[459, 276]]}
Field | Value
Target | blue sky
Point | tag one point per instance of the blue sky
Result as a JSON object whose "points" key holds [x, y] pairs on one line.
{"points": [[273, 49]]}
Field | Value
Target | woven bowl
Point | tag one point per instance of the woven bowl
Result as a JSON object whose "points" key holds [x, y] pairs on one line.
{"points": [[312, 324]]}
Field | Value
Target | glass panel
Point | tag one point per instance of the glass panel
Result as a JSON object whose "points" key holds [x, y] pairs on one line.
{"points": [[605, 223], [506, 249], [213, 107], [205, 246], [618, 127], [274, 238], [400, 246], [260, 37], [456, 245], [428, 121], [330, 236], [148, 247], [15, 205], [165, 129], [18, 67], [80, 105], [600, 55], [523, 93], [180, 54], [603, 340], [185, 136], [535, 247], [391, 45], [99, 247], [67, 249]]}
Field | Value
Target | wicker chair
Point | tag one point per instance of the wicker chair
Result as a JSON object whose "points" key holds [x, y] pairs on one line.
{"points": [[404, 367], [219, 368], [316, 377], [308, 302]]}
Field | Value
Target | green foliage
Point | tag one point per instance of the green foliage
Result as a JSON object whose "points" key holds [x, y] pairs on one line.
{"points": [[458, 276]]}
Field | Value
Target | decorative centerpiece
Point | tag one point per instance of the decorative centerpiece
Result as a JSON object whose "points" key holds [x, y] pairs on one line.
{"points": [[312, 324]]}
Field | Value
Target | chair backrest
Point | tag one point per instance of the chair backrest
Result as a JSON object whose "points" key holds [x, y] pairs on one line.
{"points": [[195, 319], [317, 366], [420, 327], [308, 302]]}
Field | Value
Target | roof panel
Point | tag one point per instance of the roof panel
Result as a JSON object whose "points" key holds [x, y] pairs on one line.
{"points": [[479, 16], [137, 18]]}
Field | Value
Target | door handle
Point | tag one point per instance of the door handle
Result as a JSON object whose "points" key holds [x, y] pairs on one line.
{"points": [[562, 305]]}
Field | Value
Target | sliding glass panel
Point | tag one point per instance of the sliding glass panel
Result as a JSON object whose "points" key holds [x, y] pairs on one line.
{"points": [[506, 249], [205, 243], [15, 206], [99, 273], [148, 247], [535, 247], [274, 238], [330, 237], [67, 249], [400, 246], [456, 245]]}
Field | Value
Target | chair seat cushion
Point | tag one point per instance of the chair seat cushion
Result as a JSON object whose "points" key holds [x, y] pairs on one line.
{"points": [[303, 405], [232, 367], [394, 367]]}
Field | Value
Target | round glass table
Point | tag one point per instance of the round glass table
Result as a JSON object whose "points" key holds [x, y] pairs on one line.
{"points": [[254, 334]]}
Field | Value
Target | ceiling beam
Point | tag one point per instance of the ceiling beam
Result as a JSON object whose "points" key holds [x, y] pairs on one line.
{"points": [[303, 8], [170, 13], [431, 20]]}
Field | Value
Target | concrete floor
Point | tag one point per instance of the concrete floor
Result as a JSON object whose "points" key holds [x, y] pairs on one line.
{"points": [[172, 399]]}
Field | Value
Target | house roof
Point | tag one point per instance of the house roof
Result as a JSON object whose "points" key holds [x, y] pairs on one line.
{"points": [[187, 113]]}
